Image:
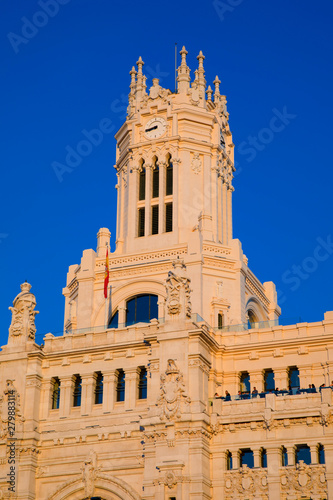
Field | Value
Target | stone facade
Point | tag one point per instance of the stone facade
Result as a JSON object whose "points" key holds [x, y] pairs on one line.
{"points": [[126, 404]]}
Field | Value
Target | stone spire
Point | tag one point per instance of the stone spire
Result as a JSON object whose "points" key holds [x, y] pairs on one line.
{"points": [[22, 328], [133, 81], [183, 78], [209, 93], [201, 75], [217, 89], [140, 80]]}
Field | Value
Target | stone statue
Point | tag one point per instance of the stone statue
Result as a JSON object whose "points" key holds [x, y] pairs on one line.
{"points": [[178, 300], [23, 327]]}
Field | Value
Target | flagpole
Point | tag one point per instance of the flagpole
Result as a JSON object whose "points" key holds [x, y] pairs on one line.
{"points": [[106, 282]]}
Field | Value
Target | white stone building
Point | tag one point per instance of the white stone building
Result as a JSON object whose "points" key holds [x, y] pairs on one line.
{"points": [[123, 405]]}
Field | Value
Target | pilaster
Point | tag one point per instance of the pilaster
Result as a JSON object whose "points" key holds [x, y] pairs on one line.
{"points": [[109, 390]]}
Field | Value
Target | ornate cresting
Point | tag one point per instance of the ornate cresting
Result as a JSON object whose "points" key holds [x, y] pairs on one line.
{"points": [[178, 299], [245, 483], [304, 481], [22, 328]]}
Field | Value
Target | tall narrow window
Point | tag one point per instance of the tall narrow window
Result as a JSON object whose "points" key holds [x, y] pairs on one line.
{"points": [[293, 378], [229, 460], [143, 383], [142, 184], [99, 389], [141, 222], [269, 382], [263, 458], [303, 453], [156, 181], [77, 390], [284, 456], [220, 321], [246, 458], [121, 386], [154, 219], [321, 454], [245, 382], [168, 217], [56, 394], [169, 179]]}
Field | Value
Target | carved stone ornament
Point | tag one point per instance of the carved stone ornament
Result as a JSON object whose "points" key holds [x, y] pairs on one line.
{"points": [[10, 394], [304, 480], [173, 394], [178, 299], [246, 483], [89, 471], [23, 327], [170, 479], [196, 164]]}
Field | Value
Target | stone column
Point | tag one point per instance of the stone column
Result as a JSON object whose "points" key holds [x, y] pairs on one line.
{"points": [[257, 380], [121, 315], [161, 205], [149, 169], [314, 454], [305, 376], [131, 384], [281, 378], [229, 193], [291, 455], [87, 393], [225, 213], [45, 398], [109, 390], [329, 468], [66, 396], [235, 459], [256, 457], [273, 473], [131, 220]]}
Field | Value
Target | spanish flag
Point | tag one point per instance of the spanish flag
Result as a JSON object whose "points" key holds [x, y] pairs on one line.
{"points": [[106, 275]]}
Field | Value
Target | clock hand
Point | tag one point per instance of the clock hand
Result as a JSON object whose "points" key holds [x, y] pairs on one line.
{"points": [[152, 128]]}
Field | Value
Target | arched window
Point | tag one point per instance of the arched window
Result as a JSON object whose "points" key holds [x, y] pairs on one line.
{"points": [[142, 182], [284, 457], [55, 394], [169, 178], [99, 388], [246, 458], [252, 319], [156, 180], [321, 454], [245, 385], [263, 458], [220, 321], [77, 390], [141, 308], [269, 382], [121, 385], [143, 383], [114, 320], [293, 378], [302, 452], [229, 460]]}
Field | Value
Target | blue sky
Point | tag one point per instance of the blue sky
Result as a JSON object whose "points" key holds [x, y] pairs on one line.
{"points": [[72, 71]]}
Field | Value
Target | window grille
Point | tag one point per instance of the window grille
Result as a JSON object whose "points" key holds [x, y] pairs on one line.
{"points": [[121, 386], [154, 219], [168, 217], [156, 181], [169, 179], [141, 222], [142, 184], [143, 383], [77, 390]]}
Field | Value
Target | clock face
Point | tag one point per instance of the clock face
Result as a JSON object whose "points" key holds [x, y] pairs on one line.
{"points": [[155, 128]]}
